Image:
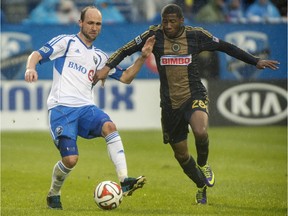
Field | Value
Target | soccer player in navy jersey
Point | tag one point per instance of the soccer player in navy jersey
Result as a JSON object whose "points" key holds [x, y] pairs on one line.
{"points": [[71, 107], [184, 100]]}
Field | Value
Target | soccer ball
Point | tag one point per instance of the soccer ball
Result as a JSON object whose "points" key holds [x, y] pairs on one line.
{"points": [[108, 195]]}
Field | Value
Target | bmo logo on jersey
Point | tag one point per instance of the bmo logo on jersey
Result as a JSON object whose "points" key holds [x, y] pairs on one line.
{"points": [[77, 67], [183, 60], [253, 104]]}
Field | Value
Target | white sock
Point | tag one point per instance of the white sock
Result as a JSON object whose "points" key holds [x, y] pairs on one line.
{"points": [[59, 174], [117, 155]]}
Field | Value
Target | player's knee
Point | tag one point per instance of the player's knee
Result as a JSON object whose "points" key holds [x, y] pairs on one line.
{"points": [[108, 128], [200, 133], [70, 161], [181, 157]]}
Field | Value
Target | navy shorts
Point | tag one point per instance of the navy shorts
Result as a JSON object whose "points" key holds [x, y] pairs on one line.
{"points": [[70, 122]]}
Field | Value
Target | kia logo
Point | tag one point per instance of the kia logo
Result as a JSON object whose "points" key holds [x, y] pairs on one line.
{"points": [[253, 104]]}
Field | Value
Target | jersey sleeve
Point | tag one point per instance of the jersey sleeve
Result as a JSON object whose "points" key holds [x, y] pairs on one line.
{"points": [[237, 53], [208, 42], [128, 49], [205, 40], [53, 49]]}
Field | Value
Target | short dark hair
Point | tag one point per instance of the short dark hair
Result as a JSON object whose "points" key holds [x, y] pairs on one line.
{"points": [[172, 9], [84, 10]]}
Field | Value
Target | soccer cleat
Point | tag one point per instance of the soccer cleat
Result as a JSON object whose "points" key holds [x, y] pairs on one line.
{"points": [[131, 184], [208, 175], [53, 202], [201, 197]]}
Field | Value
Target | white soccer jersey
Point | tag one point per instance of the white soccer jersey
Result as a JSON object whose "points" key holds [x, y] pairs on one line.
{"points": [[73, 69]]}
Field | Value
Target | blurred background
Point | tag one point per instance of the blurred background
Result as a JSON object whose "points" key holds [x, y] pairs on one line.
{"points": [[131, 11], [239, 93]]}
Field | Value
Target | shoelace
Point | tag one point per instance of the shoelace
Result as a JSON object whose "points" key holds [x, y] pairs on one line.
{"points": [[207, 172], [200, 194], [56, 199]]}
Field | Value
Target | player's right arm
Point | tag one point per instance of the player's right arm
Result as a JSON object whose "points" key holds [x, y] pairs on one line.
{"points": [[126, 50], [31, 73], [129, 74], [53, 49]]}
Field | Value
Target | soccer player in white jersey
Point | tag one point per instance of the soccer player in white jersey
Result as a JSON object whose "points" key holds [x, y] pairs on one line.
{"points": [[72, 111]]}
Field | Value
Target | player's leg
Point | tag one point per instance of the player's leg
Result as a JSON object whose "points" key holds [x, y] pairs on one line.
{"points": [[187, 162], [63, 130], [115, 149], [191, 169], [199, 126], [175, 130], [63, 167], [100, 124], [59, 174], [117, 155]]}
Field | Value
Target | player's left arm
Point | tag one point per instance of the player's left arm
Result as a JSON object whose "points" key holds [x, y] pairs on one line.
{"points": [[212, 43], [272, 64], [246, 57]]}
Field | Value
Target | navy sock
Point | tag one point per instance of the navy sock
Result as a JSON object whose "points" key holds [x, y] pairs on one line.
{"points": [[192, 171], [202, 147]]}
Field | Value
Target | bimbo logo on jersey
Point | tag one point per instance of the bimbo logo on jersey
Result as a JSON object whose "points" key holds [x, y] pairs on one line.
{"points": [[176, 60]]}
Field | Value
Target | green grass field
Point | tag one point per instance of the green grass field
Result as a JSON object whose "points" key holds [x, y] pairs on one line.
{"points": [[250, 166]]}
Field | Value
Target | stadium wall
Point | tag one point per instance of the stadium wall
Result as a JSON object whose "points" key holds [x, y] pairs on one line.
{"points": [[136, 106]]}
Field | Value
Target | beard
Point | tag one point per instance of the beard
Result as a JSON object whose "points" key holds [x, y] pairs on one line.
{"points": [[89, 37]]}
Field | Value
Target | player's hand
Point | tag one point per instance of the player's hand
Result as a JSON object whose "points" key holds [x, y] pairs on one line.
{"points": [[148, 47], [101, 75], [262, 64], [31, 75]]}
